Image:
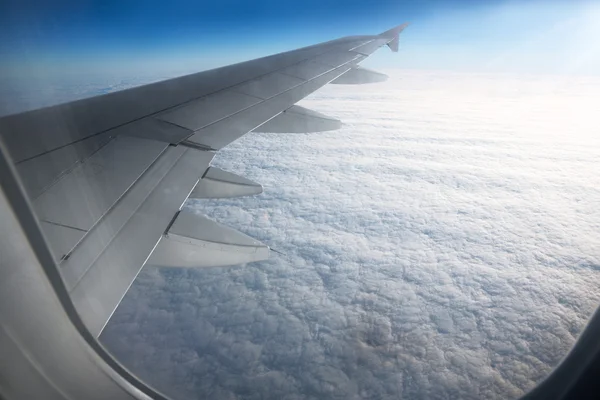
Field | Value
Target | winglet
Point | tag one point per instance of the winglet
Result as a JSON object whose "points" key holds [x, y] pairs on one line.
{"points": [[394, 36]]}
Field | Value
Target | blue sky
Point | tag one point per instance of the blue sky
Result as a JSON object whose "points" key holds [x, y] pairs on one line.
{"points": [[467, 35]]}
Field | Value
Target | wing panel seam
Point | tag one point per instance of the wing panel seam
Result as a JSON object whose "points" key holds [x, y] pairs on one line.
{"points": [[63, 225]]}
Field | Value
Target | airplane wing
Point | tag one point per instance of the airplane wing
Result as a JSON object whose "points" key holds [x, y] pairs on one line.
{"points": [[106, 177]]}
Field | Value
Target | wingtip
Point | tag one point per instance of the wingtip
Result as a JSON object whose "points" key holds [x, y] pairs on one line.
{"points": [[395, 31], [394, 36]]}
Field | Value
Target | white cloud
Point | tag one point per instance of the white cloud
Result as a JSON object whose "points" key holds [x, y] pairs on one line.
{"points": [[443, 244]]}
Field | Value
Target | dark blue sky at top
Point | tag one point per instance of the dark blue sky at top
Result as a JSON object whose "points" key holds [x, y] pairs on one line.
{"points": [[446, 34], [140, 26]]}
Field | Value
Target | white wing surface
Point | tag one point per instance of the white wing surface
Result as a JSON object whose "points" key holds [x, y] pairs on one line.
{"points": [[107, 176]]}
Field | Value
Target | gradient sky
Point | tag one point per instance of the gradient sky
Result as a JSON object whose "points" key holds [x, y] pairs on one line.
{"points": [[467, 35]]}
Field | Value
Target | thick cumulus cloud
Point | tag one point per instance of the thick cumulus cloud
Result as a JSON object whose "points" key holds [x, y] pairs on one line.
{"points": [[442, 245]]}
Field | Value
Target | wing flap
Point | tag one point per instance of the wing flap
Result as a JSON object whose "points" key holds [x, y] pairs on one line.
{"points": [[104, 283]]}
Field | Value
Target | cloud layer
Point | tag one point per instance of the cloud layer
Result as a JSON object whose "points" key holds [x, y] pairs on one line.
{"points": [[442, 245]]}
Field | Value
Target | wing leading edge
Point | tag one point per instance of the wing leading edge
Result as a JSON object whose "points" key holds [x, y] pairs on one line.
{"points": [[107, 176]]}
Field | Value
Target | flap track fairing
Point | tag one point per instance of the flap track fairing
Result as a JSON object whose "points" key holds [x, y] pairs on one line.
{"points": [[219, 184], [197, 242]]}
